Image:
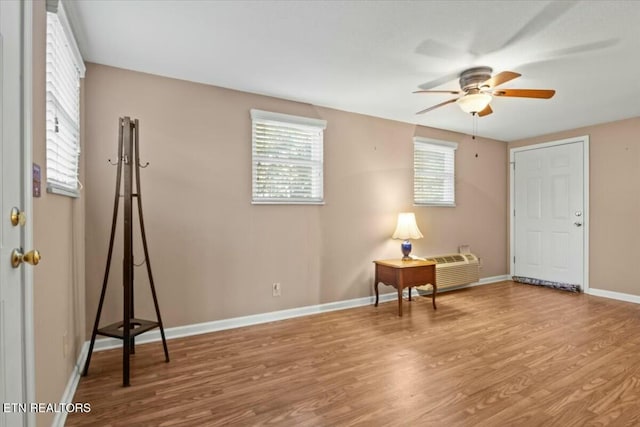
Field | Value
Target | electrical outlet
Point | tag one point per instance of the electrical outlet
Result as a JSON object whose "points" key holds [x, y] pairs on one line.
{"points": [[276, 290]]}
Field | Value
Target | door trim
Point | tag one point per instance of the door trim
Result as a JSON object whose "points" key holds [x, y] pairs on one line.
{"points": [[27, 156], [584, 140]]}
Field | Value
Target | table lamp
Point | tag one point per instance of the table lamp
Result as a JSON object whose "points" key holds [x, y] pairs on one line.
{"points": [[406, 229]]}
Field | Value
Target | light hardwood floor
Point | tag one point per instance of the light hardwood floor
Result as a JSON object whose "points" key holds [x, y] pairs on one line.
{"points": [[497, 355]]}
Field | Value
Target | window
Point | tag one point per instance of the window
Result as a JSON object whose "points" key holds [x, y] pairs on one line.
{"points": [[287, 158], [64, 70], [434, 172]]}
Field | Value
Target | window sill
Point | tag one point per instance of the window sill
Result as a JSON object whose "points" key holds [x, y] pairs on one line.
{"points": [[436, 205], [53, 189], [254, 202]]}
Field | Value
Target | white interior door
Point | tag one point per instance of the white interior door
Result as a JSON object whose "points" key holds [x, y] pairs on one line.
{"points": [[12, 280], [550, 213]]}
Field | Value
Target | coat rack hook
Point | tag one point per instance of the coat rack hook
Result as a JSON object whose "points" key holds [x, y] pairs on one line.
{"points": [[112, 163], [143, 166]]}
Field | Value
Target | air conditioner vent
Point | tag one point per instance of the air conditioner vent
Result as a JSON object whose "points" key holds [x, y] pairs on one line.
{"points": [[446, 259], [455, 270]]}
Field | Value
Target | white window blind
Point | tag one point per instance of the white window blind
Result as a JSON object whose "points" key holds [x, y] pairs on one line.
{"points": [[434, 172], [64, 69], [287, 158]]}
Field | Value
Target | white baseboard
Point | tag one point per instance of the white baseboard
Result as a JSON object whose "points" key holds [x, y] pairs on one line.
{"points": [[70, 390], [492, 279], [614, 295], [238, 322], [235, 322], [256, 319]]}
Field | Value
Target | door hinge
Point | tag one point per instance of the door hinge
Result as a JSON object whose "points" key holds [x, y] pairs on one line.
{"points": [[514, 212], [514, 260]]}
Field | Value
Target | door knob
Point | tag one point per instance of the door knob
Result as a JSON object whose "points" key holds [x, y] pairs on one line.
{"points": [[18, 217], [577, 224], [17, 257]]}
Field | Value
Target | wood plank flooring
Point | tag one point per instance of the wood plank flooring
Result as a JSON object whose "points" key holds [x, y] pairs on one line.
{"points": [[497, 355]]}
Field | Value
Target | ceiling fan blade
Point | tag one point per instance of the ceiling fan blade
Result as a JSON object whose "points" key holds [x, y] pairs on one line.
{"points": [[500, 78], [550, 13], [487, 110], [452, 92], [525, 93], [426, 110], [437, 49], [440, 80], [573, 50]]}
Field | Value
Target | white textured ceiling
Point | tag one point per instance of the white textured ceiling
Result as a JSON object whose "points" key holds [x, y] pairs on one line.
{"points": [[368, 56]]}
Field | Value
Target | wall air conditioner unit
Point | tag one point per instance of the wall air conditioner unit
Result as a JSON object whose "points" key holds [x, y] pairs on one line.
{"points": [[455, 270]]}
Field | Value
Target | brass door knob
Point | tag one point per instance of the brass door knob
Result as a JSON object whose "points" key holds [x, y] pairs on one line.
{"points": [[17, 257], [18, 217]]}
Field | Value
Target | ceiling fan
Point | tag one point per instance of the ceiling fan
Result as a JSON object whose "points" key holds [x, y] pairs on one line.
{"points": [[477, 89]]}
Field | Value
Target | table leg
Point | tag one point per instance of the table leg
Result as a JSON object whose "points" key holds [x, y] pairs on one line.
{"points": [[433, 296], [375, 285], [409, 294], [400, 301]]}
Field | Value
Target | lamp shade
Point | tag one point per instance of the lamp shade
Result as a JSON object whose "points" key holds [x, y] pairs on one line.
{"points": [[407, 227], [474, 102]]}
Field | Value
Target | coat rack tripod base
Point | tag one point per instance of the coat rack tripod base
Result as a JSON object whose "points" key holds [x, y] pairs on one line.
{"points": [[130, 326]]}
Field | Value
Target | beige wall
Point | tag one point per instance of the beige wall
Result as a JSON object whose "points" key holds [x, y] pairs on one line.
{"points": [[59, 278], [614, 202], [214, 255]]}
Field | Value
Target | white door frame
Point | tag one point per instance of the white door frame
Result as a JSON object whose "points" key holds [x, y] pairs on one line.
{"points": [[21, 104], [584, 140], [24, 13], [27, 158]]}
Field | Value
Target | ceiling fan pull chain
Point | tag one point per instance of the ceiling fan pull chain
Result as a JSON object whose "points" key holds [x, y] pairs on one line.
{"points": [[475, 130], [474, 127]]}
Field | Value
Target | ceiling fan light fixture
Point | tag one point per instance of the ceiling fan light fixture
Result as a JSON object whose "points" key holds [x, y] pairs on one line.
{"points": [[474, 102]]}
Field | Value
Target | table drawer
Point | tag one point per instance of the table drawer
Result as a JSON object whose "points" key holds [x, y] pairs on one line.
{"points": [[418, 276]]}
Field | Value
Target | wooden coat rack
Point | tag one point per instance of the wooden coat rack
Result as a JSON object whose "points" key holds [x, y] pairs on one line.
{"points": [[130, 326]]}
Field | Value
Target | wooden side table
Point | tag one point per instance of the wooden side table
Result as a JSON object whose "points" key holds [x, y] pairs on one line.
{"points": [[405, 274]]}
